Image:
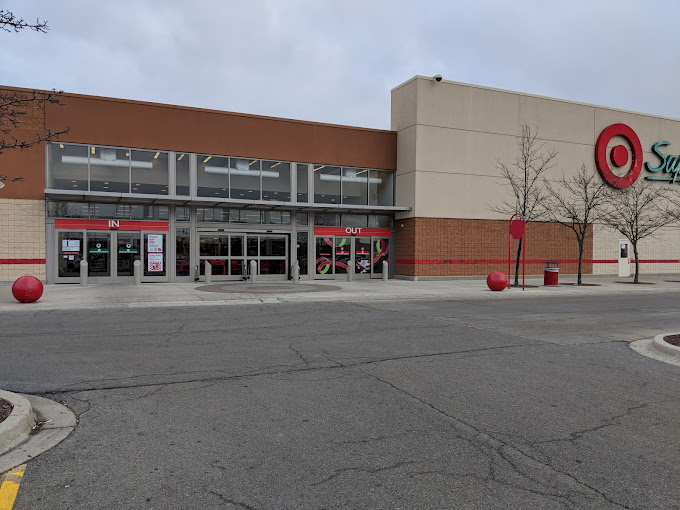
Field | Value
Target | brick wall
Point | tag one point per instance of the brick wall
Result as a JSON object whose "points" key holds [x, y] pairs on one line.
{"points": [[22, 238], [440, 247]]}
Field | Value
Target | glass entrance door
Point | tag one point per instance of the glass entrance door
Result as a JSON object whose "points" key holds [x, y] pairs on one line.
{"points": [[323, 266], [381, 248], [362, 256], [336, 255], [99, 254], [333, 256], [69, 254], [127, 251], [224, 252]]}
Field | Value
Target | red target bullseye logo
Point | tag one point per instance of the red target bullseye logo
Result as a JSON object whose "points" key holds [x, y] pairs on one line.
{"points": [[618, 155]]}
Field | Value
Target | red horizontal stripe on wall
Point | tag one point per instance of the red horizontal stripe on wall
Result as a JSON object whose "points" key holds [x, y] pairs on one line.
{"points": [[22, 261], [505, 261]]}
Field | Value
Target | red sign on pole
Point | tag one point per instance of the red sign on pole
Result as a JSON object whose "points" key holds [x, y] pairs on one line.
{"points": [[517, 230]]}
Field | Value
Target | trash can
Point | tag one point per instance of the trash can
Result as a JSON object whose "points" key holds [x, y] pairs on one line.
{"points": [[551, 273]]}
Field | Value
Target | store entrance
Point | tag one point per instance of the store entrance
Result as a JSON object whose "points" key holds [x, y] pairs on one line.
{"points": [[336, 255], [230, 255], [110, 255]]}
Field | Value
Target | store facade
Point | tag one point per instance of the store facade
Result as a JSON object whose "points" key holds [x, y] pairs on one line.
{"points": [[179, 188]]}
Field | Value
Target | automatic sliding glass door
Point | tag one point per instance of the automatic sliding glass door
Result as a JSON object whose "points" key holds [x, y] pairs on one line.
{"points": [[336, 255], [99, 254], [127, 251], [230, 255], [381, 248]]}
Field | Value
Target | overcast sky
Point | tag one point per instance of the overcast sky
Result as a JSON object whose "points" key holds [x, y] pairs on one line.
{"points": [[336, 61]]}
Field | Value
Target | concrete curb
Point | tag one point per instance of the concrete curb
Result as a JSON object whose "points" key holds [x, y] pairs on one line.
{"points": [[55, 422], [18, 424], [658, 349], [661, 345]]}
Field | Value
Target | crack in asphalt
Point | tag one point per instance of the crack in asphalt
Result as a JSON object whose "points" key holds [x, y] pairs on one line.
{"points": [[609, 422], [505, 451], [298, 353], [240, 504], [267, 371], [369, 471]]}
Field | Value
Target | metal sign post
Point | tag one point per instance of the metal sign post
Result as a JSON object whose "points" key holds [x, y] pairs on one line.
{"points": [[517, 230]]}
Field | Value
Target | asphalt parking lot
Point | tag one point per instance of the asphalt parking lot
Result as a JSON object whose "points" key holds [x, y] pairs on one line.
{"points": [[447, 403]]}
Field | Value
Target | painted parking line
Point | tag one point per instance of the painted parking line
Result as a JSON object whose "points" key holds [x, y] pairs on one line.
{"points": [[9, 486]]}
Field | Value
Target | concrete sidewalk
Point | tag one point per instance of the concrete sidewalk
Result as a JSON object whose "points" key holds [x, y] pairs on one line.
{"points": [[101, 296]]}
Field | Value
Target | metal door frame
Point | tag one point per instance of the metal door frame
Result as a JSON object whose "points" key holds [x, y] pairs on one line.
{"points": [[112, 266]]}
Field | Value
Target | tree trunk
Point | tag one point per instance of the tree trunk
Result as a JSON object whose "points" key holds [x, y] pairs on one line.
{"points": [[580, 261], [519, 252], [637, 263]]}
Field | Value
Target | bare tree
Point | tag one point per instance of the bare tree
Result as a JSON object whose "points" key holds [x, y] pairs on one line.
{"points": [[577, 203], [637, 212], [524, 177], [10, 23], [15, 105]]}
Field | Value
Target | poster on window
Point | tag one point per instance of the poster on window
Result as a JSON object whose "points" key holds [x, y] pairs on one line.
{"points": [[154, 243], [155, 263], [70, 245]]}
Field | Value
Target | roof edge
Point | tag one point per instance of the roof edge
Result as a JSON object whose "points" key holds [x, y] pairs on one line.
{"points": [[194, 109]]}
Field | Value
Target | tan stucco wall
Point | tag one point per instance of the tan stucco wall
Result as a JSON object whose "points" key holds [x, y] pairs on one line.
{"points": [[454, 134], [22, 236]]}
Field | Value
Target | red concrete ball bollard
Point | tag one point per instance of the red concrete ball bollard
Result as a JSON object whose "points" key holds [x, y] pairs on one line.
{"points": [[27, 289], [497, 280]]}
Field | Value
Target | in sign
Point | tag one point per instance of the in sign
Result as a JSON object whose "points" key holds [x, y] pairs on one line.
{"points": [[114, 224]]}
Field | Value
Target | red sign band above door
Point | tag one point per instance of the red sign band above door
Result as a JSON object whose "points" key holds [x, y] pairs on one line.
{"points": [[352, 231], [112, 225]]}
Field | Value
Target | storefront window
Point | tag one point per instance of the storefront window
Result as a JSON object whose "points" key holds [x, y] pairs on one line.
{"points": [[182, 213], [182, 174], [381, 187], [182, 257], [149, 212], [275, 181], [302, 183], [326, 184], [110, 169], [212, 176], [245, 178], [248, 216], [379, 221], [355, 186], [149, 171], [154, 255], [354, 220], [67, 167], [327, 220], [276, 217], [68, 210], [216, 214], [302, 218]]}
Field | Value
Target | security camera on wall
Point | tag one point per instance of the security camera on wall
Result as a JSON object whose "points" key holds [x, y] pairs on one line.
{"points": [[438, 77]]}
